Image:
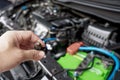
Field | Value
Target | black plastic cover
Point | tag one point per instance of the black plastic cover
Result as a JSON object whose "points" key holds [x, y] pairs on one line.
{"points": [[54, 68]]}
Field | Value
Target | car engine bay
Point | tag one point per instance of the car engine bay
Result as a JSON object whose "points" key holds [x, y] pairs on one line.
{"points": [[79, 46]]}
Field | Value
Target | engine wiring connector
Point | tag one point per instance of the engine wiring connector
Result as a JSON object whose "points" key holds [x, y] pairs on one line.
{"points": [[73, 48]]}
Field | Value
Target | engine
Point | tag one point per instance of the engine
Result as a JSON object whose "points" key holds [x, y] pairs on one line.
{"points": [[79, 46]]}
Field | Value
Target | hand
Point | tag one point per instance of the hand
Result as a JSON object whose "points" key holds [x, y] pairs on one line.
{"points": [[17, 47]]}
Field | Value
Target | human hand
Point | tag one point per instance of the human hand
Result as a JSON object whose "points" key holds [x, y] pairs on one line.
{"points": [[17, 47]]}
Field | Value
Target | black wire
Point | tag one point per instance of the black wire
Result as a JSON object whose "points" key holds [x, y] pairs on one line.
{"points": [[83, 69], [79, 69]]}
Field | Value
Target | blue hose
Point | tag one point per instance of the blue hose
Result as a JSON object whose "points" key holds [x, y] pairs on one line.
{"points": [[49, 39], [105, 52], [24, 7]]}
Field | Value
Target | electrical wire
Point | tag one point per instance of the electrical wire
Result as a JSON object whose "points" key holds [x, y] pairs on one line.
{"points": [[105, 52], [83, 69], [79, 69]]}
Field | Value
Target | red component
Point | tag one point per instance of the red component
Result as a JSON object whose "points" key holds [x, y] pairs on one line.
{"points": [[73, 48]]}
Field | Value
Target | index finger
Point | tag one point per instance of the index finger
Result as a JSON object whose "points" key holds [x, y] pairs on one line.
{"points": [[35, 38], [29, 36]]}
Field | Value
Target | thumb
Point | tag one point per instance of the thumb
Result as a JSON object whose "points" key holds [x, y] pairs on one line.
{"points": [[33, 55]]}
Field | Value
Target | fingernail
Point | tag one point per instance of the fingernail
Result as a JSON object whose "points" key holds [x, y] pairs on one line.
{"points": [[42, 54]]}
